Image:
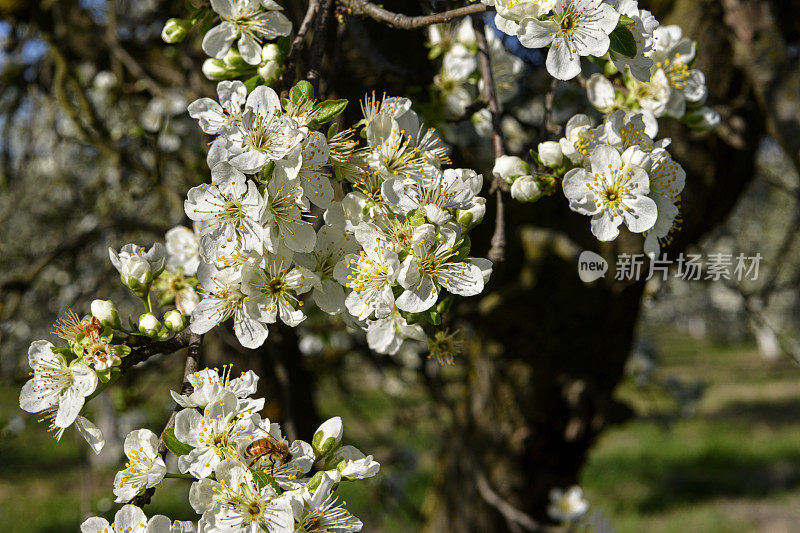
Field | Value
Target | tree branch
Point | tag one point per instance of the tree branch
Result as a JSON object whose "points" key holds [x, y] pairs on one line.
{"points": [[138, 355], [318, 44], [404, 22], [298, 43], [516, 519], [497, 251]]}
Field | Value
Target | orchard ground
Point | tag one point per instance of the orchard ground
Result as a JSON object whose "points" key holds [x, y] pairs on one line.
{"points": [[733, 465]]}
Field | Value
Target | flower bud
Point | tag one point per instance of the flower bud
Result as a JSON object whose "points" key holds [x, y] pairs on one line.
{"points": [[234, 58], [106, 313], [269, 70], [550, 154], [525, 189], [138, 268], [174, 321], [469, 218], [271, 52], [704, 118], [217, 69], [508, 167], [175, 30], [327, 436], [149, 325]]}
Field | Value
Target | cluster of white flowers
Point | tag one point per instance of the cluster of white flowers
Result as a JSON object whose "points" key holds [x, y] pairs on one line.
{"points": [[248, 477], [668, 86], [386, 250], [236, 43], [622, 175]]}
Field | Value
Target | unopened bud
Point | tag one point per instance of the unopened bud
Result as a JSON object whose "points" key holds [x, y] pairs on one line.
{"points": [[149, 325], [525, 189], [217, 69], [175, 30], [508, 167], [271, 52], [269, 70], [174, 321], [550, 154], [106, 313], [469, 218], [327, 436], [234, 58]]}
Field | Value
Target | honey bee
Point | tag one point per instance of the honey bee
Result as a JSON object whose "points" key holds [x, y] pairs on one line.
{"points": [[268, 450]]}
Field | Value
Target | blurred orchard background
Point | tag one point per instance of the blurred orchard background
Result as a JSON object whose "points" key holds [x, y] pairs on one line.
{"points": [[675, 405]]}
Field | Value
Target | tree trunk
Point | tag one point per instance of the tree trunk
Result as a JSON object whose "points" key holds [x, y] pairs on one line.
{"points": [[552, 349]]}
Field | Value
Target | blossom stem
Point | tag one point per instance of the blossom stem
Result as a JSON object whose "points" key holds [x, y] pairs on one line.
{"points": [[179, 476], [148, 307]]}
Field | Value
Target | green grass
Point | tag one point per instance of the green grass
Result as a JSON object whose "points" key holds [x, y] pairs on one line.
{"points": [[732, 467]]}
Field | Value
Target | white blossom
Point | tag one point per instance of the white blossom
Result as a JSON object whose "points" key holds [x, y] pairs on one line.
{"points": [[216, 116], [331, 246], [144, 469], [613, 191], [57, 389], [234, 503], [246, 20], [137, 265], [578, 28], [265, 133], [283, 216], [435, 195], [273, 286], [369, 275], [215, 434], [351, 463], [319, 511], [567, 506], [209, 383], [229, 210], [386, 335], [433, 263], [224, 299]]}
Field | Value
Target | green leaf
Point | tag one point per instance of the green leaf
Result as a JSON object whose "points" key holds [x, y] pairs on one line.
{"points": [[263, 479], [431, 316], [174, 445], [328, 110], [252, 83], [104, 375], [435, 52], [333, 130], [625, 21], [121, 350], [303, 88], [622, 41]]}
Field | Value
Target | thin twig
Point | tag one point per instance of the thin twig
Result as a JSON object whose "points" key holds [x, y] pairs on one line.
{"points": [[497, 251], [318, 44], [405, 22], [513, 516], [298, 43], [549, 101]]}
